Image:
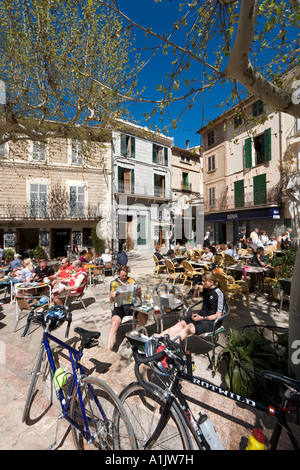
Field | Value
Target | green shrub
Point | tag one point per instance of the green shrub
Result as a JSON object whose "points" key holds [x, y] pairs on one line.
{"points": [[9, 255], [246, 355]]}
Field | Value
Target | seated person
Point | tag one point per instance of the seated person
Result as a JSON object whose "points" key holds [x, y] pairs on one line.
{"points": [[159, 256], [259, 259], [15, 264], [207, 256], [272, 241], [82, 257], [27, 268], [106, 257], [42, 271], [76, 285], [172, 257], [90, 255], [122, 258], [64, 273], [119, 312], [212, 308], [232, 251]]}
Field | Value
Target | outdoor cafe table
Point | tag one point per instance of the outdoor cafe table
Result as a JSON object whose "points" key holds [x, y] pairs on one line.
{"points": [[200, 263], [158, 317], [251, 270], [27, 286], [89, 268]]}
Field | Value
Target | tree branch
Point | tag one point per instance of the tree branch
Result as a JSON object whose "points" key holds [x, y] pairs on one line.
{"points": [[240, 68]]}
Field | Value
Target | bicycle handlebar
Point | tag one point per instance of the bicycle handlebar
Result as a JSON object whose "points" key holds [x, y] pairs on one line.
{"points": [[141, 359], [44, 321]]}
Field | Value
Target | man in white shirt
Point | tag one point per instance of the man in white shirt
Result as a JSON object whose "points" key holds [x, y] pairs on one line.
{"points": [[254, 234], [106, 257], [255, 243]]}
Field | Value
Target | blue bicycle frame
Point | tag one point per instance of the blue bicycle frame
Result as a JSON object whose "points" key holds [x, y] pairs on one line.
{"points": [[75, 357]]}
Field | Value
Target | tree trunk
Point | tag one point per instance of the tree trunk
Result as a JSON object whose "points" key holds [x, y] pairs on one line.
{"points": [[293, 191]]}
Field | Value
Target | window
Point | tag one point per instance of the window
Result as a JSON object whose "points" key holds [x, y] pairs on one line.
{"points": [[238, 120], [210, 138], [77, 153], [257, 108], [127, 145], [260, 189], [239, 193], [185, 182], [262, 149], [3, 151], [38, 200], [141, 230], [212, 198], [211, 165], [38, 151], [125, 180], [77, 201], [159, 185], [160, 155], [185, 158]]}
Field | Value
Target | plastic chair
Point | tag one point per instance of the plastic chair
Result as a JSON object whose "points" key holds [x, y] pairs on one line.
{"points": [[285, 285], [232, 288], [173, 272], [190, 272], [159, 267], [210, 337]]}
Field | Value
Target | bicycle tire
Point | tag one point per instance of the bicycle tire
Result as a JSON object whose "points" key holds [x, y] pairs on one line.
{"points": [[32, 387], [109, 426], [143, 409]]}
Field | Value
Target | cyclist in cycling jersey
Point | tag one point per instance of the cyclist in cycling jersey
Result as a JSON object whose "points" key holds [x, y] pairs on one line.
{"points": [[212, 308]]}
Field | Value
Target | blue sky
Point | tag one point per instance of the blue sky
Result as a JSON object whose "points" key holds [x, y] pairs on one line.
{"points": [[160, 17]]}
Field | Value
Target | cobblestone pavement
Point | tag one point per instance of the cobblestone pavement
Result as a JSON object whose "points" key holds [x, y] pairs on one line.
{"points": [[232, 420]]}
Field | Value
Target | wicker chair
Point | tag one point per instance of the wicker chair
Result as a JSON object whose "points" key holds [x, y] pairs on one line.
{"points": [[190, 272], [159, 268], [232, 288]]}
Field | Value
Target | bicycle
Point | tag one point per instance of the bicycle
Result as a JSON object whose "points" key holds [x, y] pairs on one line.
{"points": [[96, 415], [161, 417]]}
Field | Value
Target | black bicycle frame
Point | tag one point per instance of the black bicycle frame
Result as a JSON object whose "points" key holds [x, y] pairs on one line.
{"points": [[278, 413]]}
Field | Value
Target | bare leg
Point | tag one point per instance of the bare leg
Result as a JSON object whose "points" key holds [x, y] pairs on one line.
{"points": [[180, 329], [111, 339]]}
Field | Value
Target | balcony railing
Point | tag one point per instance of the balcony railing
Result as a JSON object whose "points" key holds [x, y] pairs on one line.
{"points": [[231, 203], [142, 190], [186, 186], [57, 212]]}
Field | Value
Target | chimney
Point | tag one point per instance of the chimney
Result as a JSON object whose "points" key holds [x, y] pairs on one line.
{"points": [[187, 144]]}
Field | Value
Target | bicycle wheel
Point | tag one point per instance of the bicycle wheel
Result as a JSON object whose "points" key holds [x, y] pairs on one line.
{"points": [[107, 421], [144, 411], [35, 392]]}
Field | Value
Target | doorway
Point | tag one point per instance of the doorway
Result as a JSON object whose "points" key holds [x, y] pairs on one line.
{"points": [[129, 233], [61, 238], [27, 239]]}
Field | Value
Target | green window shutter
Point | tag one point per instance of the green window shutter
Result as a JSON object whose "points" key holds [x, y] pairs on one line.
{"points": [[166, 156], [239, 193], [267, 145], [260, 189], [132, 146], [132, 181], [248, 153], [154, 153], [123, 145], [119, 179]]}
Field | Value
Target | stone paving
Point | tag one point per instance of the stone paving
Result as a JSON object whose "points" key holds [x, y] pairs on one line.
{"points": [[232, 421]]}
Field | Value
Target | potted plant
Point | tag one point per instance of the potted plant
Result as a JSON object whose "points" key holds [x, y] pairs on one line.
{"points": [[39, 253], [9, 255], [97, 243], [284, 268], [248, 353]]}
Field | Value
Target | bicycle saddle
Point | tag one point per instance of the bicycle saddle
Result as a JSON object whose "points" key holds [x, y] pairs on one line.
{"points": [[89, 338], [291, 383]]}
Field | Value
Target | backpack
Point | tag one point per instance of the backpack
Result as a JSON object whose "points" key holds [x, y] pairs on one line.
{"points": [[122, 258]]}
